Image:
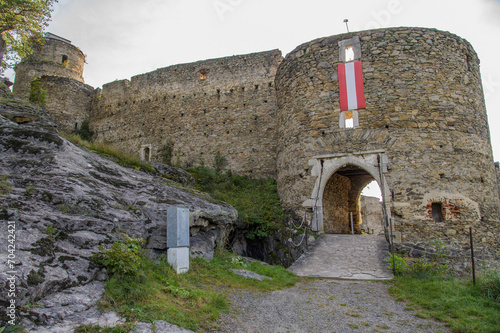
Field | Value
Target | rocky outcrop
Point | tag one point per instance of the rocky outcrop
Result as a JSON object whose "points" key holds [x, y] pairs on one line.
{"points": [[64, 201]]}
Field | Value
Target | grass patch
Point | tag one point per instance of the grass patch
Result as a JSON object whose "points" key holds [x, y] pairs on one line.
{"points": [[463, 306], [256, 200], [5, 186], [117, 156], [124, 328], [193, 300]]}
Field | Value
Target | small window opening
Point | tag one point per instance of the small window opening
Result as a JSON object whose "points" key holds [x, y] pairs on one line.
{"points": [[147, 154], [349, 53], [349, 120], [64, 58], [203, 75], [437, 212], [76, 126]]}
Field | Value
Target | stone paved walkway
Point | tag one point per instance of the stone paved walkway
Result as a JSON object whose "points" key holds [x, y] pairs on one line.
{"points": [[354, 257]]}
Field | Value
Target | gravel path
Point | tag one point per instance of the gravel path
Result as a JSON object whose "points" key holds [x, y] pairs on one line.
{"points": [[323, 306]]}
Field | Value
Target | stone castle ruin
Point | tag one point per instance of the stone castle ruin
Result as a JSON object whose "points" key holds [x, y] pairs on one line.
{"points": [[421, 131]]}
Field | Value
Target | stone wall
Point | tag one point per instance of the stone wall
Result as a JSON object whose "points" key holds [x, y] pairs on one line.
{"points": [[68, 100], [423, 134], [226, 105], [425, 117], [371, 215], [55, 58], [336, 214]]}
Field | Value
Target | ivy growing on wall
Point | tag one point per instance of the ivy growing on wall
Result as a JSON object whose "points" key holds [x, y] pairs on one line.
{"points": [[37, 94]]}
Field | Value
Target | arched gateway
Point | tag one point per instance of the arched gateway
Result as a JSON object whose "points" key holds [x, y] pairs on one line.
{"points": [[340, 180]]}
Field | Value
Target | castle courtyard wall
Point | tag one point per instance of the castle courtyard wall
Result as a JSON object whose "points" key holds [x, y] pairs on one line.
{"points": [[225, 105]]}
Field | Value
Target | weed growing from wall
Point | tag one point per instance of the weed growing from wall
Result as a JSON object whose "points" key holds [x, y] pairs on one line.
{"points": [[166, 153], [37, 94]]}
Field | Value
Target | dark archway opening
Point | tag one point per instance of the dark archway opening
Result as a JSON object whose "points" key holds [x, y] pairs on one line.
{"points": [[342, 199]]}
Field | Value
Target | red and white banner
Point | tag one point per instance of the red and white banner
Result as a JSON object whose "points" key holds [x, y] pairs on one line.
{"points": [[352, 92]]}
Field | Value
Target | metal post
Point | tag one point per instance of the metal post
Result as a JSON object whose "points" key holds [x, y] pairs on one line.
{"points": [[392, 247], [352, 225], [472, 257]]}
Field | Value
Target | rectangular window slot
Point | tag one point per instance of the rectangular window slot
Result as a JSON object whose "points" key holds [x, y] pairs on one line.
{"points": [[437, 212], [349, 53]]}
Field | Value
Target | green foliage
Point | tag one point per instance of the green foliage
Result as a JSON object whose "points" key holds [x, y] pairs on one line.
{"points": [[220, 161], [12, 329], [124, 257], [192, 300], [455, 301], [123, 328], [37, 94], [422, 268], [30, 190], [418, 268], [399, 263], [166, 153], [84, 131], [489, 282], [51, 232], [440, 251], [102, 148], [21, 25], [256, 200], [5, 186]]}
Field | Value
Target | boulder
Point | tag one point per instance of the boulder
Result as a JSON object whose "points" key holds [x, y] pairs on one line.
{"points": [[65, 201]]}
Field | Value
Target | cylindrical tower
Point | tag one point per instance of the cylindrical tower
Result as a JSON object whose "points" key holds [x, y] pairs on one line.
{"points": [[58, 57], [58, 66], [421, 130]]}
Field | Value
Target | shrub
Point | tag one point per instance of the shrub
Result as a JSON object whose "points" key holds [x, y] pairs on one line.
{"points": [[5, 186], [124, 256], [490, 284], [84, 131], [220, 161], [37, 94], [398, 265], [422, 268], [166, 152]]}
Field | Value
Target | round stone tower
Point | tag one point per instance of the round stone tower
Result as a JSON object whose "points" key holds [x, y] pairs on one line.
{"points": [[58, 57], [402, 106], [58, 66]]}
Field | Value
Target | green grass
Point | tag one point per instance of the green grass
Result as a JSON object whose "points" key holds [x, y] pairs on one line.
{"points": [[102, 148], [256, 200], [193, 300], [463, 306], [124, 328], [5, 186]]}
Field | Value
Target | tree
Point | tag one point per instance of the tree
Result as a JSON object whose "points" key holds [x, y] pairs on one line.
{"points": [[21, 25]]}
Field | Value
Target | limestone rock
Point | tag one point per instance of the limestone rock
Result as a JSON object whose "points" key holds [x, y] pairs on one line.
{"points": [[65, 201]]}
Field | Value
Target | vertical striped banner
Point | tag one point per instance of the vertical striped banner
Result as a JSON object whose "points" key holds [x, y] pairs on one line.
{"points": [[352, 92]]}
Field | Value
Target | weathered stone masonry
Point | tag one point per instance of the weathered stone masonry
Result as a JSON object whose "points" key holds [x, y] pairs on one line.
{"points": [[226, 105], [423, 135]]}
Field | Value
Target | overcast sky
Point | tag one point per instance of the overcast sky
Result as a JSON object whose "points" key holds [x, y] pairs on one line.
{"points": [[123, 38]]}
